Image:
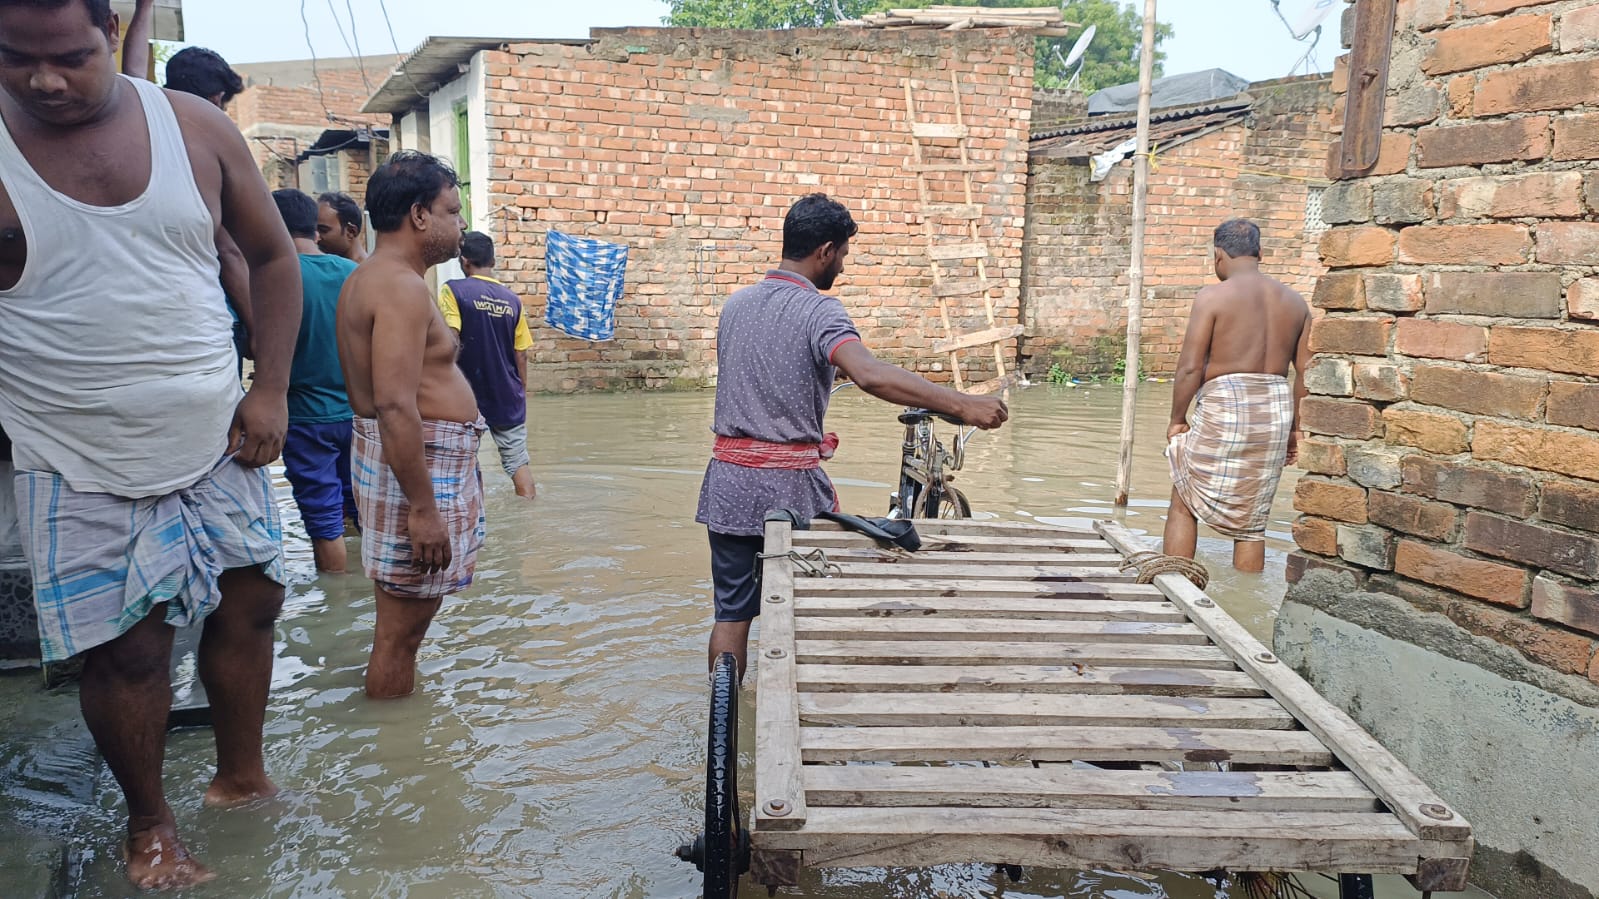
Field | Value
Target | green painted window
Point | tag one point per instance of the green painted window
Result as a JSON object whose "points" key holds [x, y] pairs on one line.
{"points": [[463, 159]]}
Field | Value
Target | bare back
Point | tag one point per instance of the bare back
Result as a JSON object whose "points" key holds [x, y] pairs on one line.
{"points": [[393, 343], [1255, 325]]}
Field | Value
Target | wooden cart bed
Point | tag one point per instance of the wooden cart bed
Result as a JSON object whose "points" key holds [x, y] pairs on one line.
{"points": [[935, 707]]}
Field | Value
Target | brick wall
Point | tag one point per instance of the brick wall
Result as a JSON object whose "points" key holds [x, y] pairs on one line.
{"points": [[1079, 233], [689, 146], [1454, 456]]}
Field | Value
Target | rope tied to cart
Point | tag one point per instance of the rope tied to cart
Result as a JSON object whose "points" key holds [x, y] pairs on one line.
{"points": [[1150, 565], [813, 563]]}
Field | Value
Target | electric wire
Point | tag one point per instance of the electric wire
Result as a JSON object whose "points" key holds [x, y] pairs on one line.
{"points": [[355, 34], [316, 74], [384, 8]]}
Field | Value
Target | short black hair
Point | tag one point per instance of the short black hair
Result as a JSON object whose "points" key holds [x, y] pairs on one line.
{"points": [[99, 10], [344, 205], [478, 249], [1238, 237], [203, 73], [408, 179], [298, 211], [815, 220]]}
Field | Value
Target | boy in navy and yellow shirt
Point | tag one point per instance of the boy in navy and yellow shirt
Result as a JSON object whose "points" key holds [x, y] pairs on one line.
{"points": [[494, 344]]}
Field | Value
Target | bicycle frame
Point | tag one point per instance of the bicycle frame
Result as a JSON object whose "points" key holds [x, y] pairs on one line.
{"points": [[924, 469]]}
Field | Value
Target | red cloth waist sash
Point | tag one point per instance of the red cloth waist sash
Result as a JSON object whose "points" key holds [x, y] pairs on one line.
{"points": [[748, 452]]}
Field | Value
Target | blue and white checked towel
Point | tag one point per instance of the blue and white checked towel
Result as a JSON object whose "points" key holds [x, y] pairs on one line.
{"points": [[585, 277]]}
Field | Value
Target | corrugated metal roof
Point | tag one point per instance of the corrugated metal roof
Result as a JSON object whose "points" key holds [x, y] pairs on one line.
{"points": [[1166, 133], [1098, 124], [431, 66]]}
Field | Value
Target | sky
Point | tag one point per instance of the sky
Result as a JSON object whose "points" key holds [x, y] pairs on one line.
{"points": [[1242, 36]]}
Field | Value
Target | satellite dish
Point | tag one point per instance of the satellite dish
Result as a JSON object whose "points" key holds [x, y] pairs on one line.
{"points": [[1081, 47], [1313, 14], [1076, 56]]}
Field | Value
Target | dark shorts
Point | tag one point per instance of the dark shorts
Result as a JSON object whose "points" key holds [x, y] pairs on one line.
{"points": [[734, 575], [316, 458]]}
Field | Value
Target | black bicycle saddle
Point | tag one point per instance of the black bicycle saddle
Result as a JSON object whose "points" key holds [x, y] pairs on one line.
{"points": [[917, 416]]}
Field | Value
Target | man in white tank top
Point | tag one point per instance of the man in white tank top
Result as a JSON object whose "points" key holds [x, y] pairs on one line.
{"points": [[144, 504]]}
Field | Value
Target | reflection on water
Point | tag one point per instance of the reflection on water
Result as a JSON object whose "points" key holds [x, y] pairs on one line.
{"points": [[556, 746]]}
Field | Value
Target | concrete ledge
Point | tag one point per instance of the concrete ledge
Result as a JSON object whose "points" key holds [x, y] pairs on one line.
{"points": [[1512, 746]]}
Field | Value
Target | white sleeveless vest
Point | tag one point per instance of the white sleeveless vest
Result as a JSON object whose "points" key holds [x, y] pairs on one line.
{"points": [[117, 367]]}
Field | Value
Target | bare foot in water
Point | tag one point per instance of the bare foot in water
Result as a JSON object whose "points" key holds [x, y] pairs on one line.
{"points": [[158, 861], [229, 793]]}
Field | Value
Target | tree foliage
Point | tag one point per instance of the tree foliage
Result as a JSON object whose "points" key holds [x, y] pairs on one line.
{"points": [[1111, 59]]}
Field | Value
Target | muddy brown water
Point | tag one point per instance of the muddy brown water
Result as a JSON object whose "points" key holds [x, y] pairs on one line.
{"points": [[556, 747]]}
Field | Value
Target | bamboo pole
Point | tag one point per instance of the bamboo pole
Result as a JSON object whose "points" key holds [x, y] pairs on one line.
{"points": [[1135, 274]]}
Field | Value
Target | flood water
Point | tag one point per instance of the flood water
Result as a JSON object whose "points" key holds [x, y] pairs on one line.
{"points": [[555, 748]]}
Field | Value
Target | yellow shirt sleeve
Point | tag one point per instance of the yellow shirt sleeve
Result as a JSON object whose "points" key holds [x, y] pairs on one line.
{"points": [[524, 336], [448, 306]]}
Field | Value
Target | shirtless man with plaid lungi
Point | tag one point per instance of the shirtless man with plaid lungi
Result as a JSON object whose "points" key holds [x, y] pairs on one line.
{"points": [[417, 429]]}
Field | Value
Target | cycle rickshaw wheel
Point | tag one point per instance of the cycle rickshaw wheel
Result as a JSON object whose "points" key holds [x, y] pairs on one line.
{"points": [[722, 851]]}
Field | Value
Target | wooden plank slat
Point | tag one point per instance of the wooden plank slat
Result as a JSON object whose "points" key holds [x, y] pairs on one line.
{"points": [[1062, 744], [994, 385], [939, 131], [990, 607], [960, 288], [1400, 789], [1065, 838], [977, 527], [777, 730], [931, 628], [959, 212], [1030, 678], [1001, 709], [940, 543], [939, 652], [979, 338], [934, 556], [1058, 787], [953, 576], [954, 251], [887, 587]]}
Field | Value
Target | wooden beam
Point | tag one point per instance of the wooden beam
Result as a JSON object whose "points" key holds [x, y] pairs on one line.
{"points": [[919, 652], [1028, 678], [960, 288], [1000, 709], [1058, 787], [1026, 607], [979, 338], [1014, 630], [955, 251], [1062, 744], [777, 729]]}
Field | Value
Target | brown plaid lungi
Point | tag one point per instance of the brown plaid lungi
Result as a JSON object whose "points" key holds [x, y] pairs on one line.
{"points": [[450, 448], [1226, 467]]}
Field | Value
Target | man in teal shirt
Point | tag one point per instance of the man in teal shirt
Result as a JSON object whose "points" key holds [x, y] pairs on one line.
{"points": [[316, 450]]}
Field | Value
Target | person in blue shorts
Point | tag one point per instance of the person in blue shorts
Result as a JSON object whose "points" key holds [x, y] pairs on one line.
{"points": [[316, 450]]}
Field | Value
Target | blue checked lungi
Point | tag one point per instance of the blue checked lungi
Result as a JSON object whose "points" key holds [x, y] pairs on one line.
{"points": [[101, 562]]}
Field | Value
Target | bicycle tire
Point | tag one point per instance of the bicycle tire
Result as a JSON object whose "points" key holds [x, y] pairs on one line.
{"points": [[725, 842], [951, 504]]}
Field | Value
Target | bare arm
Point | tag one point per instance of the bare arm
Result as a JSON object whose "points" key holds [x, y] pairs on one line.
{"points": [[521, 365], [1301, 362], [903, 388], [251, 218], [236, 281], [1190, 375], [136, 43], [399, 339]]}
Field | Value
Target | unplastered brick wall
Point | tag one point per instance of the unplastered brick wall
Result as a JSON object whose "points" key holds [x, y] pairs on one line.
{"points": [[281, 120], [690, 145], [1262, 166], [1454, 411]]}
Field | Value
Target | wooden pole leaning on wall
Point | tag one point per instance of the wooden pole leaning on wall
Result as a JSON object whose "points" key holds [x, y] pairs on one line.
{"points": [[1135, 286]]}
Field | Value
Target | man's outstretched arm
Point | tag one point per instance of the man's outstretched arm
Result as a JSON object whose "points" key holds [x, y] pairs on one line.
{"points": [[1190, 375], [136, 43], [903, 388]]}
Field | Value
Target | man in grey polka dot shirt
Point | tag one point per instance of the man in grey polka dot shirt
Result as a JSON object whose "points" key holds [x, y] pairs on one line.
{"points": [[780, 345]]}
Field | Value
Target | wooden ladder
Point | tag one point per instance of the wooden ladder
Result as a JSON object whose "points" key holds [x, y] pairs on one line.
{"points": [[969, 252]]}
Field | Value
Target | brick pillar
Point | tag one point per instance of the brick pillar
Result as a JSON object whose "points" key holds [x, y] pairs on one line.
{"points": [[1453, 430]]}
